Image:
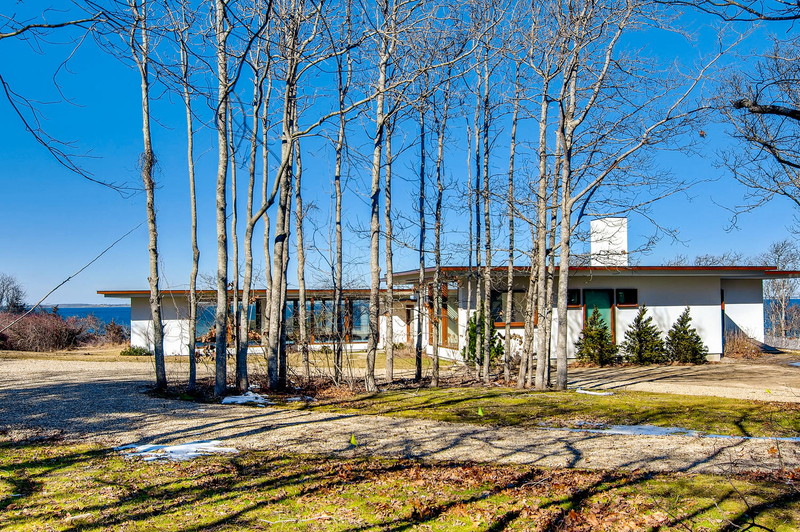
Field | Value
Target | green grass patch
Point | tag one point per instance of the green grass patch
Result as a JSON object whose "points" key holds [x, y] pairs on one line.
{"points": [[508, 407], [74, 487]]}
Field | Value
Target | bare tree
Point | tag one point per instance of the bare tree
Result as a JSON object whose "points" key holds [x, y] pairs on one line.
{"points": [[139, 42], [763, 107], [389, 253], [222, 30], [301, 261], [12, 294], [780, 293], [181, 29]]}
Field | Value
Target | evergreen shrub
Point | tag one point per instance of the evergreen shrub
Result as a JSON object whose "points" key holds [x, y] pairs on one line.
{"points": [[683, 343], [595, 344], [475, 334], [643, 343]]}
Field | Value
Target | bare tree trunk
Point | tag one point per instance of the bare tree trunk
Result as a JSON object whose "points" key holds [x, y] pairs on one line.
{"points": [[338, 274], [283, 359], [437, 232], [221, 31], [141, 55], [423, 292], [551, 269], [565, 141], [389, 255], [235, 309], [510, 275], [301, 261], [386, 51], [526, 363], [479, 288], [487, 269], [187, 100], [470, 273], [343, 82], [242, 378], [267, 310], [542, 348]]}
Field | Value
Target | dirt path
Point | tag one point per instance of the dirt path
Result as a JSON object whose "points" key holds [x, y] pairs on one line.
{"points": [[102, 402]]}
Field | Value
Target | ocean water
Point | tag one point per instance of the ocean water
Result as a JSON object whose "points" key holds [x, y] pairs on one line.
{"points": [[120, 315]]}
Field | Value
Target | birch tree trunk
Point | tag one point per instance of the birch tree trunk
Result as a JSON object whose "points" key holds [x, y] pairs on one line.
{"points": [[221, 32], [187, 101], [301, 261], [437, 232], [542, 348], [487, 269], [235, 241], [389, 257], [141, 55], [242, 377], [423, 291], [510, 273], [479, 288]]}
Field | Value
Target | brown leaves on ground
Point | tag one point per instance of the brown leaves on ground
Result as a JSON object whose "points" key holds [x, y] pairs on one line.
{"points": [[42, 485]]}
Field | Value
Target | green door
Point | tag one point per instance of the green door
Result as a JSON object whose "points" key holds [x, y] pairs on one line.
{"points": [[604, 301]]}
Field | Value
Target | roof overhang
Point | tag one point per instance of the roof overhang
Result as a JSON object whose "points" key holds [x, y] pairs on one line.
{"points": [[291, 293], [722, 272]]}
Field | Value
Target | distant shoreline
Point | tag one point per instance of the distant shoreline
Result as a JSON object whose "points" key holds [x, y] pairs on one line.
{"points": [[81, 305]]}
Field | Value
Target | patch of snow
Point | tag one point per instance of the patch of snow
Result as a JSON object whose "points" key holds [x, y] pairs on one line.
{"points": [[796, 364], [646, 430], [185, 451], [248, 397], [303, 398], [587, 392]]}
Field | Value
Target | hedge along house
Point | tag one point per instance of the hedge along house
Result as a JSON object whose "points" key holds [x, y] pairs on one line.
{"points": [[721, 298], [321, 329]]}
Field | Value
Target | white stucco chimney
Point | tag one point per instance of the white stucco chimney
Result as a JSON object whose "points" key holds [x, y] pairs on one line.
{"points": [[609, 242]]}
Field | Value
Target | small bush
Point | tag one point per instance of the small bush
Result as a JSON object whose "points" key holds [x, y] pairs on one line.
{"points": [[683, 343], [135, 351], [595, 344], [42, 331], [116, 334], [739, 345], [643, 343], [475, 334]]}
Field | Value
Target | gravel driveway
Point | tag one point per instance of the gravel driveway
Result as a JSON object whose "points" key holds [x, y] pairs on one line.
{"points": [[102, 402]]}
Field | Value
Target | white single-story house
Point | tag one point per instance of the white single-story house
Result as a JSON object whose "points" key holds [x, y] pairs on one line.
{"points": [[721, 298]]}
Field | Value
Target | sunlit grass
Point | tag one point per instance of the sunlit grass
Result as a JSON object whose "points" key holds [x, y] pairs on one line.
{"points": [[76, 487], [503, 406]]}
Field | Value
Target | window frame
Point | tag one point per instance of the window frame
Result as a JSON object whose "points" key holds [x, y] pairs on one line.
{"points": [[503, 295], [626, 305]]}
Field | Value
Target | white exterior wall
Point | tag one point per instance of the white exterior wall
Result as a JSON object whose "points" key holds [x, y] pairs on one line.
{"points": [[744, 306], [174, 318], [666, 297]]}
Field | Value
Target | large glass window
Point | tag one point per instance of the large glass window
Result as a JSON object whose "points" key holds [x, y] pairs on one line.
{"points": [[500, 306], [359, 320], [448, 319]]}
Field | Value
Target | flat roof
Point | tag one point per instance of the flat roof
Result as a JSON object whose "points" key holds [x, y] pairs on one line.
{"points": [[290, 293], [724, 272]]}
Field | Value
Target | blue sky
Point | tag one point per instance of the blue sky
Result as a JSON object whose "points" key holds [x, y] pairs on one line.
{"points": [[56, 221]]}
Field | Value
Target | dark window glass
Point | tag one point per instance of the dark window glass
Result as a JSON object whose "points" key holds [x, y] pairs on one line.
{"points": [[627, 296], [574, 297], [360, 321], [500, 306]]}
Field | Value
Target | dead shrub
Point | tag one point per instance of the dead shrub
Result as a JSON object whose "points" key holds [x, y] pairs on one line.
{"points": [[45, 331], [739, 345]]}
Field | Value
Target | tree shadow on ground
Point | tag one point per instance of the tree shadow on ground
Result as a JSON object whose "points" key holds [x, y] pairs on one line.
{"points": [[296, 492]]}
